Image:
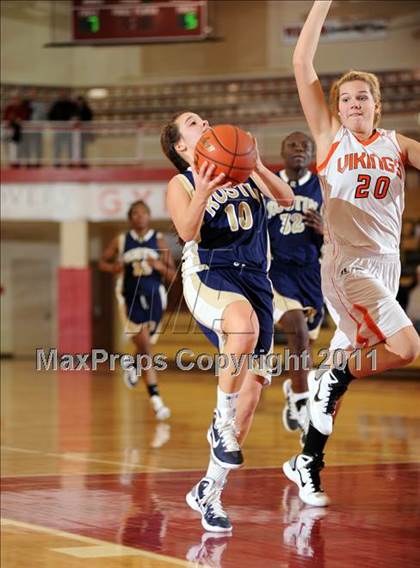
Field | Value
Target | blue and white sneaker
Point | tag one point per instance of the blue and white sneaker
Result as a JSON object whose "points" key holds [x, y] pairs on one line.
{"points": [[224, 446], [304, 471], [324, 392], [205, 498]]}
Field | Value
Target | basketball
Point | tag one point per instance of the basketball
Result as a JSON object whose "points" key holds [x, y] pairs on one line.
{"points": [[230, 149]]}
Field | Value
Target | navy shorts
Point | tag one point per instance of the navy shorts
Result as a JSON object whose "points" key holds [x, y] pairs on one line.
{"points": [[209, 292], [143, 308], [298, 287]]}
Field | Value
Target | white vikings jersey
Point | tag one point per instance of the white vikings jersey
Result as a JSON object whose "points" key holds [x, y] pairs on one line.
{"points": [[363, 190]]}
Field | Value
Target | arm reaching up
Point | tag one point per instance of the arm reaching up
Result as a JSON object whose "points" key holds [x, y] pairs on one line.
{"points": [[320, 120], [271, 185]]}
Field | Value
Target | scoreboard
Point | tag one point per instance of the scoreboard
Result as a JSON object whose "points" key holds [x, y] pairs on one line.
{"points": [[139, 21]]}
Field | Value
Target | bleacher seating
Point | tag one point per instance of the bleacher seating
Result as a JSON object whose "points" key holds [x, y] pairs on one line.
{"points": [[237, 100]]}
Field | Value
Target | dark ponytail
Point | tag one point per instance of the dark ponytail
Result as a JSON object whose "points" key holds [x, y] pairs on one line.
{"points": [[169, 136]]}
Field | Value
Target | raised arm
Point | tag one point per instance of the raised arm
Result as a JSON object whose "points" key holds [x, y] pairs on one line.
{"points": [[271, 185], [410, 149], [320, 120]]}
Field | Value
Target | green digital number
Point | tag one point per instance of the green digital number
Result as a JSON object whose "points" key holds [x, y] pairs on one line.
{"points": [[190, 21], [93, 23]]}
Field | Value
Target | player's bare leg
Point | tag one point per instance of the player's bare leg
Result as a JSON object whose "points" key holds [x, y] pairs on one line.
{"points": [[326, 388], [237, 398], [206, 495], [143, 347], [241, 328], [396, 351], [328, 385], [249, 396], [295, 388], [295, 327]]}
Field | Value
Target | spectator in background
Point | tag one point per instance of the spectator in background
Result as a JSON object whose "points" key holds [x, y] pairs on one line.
{"points": [[62, 110], [14, 114], [83, 110], [83, 114], [33, 139], [413, 306]]}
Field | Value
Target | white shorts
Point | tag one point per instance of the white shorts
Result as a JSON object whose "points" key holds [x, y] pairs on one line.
{"points": [[361, 296]]}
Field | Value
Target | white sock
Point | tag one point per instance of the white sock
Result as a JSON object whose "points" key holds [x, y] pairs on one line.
{"points": [[216, 472], [226, 403]]}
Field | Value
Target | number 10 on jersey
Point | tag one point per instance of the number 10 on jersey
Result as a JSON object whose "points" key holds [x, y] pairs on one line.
{"points": [[242, 219]]}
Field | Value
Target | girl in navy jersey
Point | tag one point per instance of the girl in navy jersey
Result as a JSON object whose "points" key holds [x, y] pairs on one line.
{"points": [[361, 170], [227, 289], [296, 237], [143, 262]]}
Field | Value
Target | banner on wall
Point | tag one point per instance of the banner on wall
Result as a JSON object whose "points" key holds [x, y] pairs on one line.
{"points": [[341, 31], [74, 201]]}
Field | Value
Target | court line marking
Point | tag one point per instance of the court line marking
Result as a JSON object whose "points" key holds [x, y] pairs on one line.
{"points": [[326, 471], [69, 456], [96, 551], [61, 475], [94, 542], [74, 456]]}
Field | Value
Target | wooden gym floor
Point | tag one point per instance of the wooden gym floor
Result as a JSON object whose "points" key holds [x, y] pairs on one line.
{"points": [[90, 479]]}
